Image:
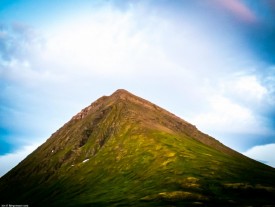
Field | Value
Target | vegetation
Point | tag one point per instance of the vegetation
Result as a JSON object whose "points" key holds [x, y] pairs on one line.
{"points": [[125, 151]]}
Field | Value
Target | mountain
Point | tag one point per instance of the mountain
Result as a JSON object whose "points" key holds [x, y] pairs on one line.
{"points": [[125, 151]]}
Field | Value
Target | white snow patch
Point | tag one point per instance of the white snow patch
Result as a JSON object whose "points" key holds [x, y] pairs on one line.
{"points": [[85, 160]]}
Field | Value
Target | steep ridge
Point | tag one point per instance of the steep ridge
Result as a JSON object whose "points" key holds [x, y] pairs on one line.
{"points": [[123, 150]]}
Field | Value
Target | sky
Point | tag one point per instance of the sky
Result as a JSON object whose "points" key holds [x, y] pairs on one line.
{"points": [[209, 62]]}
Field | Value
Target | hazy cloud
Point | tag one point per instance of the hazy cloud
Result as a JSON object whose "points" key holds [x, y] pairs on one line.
{"points": [[262, 153]]}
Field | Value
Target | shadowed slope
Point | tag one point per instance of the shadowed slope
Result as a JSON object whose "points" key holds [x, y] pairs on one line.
{"points": [[125, 151]]}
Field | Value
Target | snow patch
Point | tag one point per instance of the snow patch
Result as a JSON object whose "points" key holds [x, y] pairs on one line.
{"points": [[85, 160]]}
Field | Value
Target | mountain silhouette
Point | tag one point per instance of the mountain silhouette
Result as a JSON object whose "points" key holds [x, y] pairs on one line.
{"points": [[123, 150]]}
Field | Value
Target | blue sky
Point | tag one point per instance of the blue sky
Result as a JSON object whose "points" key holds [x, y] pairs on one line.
{"points": [[210, 62]]}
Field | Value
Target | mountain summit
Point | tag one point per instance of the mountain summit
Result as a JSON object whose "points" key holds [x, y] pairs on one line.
{"points": [[123, 150]]}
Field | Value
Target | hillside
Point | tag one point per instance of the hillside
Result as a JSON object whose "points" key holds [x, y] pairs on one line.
{"points": [[125, 151]]}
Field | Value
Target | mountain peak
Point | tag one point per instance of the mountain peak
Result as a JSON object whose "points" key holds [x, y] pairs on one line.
{"points": [[122, 93], [123, 150], [105, 100]]}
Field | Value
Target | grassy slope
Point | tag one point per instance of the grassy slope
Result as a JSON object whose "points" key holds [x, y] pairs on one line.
{"points": [[139, 155]]}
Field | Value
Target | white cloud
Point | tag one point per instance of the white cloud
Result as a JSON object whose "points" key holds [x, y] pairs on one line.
{"points": [[110, 42], [250, 87], [118, 46], [105, 43], [263, 153], [8, 161], [245, 88], [225, 115], [234, 110]]}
